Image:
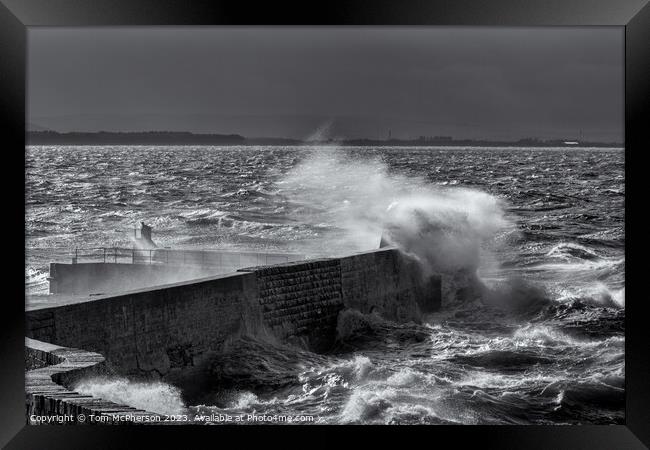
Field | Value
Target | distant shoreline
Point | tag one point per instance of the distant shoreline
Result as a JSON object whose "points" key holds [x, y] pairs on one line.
{"points": [[186, 138]]}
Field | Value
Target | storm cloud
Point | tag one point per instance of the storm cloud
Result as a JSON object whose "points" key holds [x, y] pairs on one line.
{"points": [[476, 82]]}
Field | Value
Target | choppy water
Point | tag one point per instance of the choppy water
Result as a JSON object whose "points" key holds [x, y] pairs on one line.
{"points": [[559, 241]]}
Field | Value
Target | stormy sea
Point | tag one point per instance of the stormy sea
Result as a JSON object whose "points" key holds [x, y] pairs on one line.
{"points": [[538, 337]]}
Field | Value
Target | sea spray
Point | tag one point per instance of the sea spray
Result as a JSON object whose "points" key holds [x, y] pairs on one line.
{"points": [[515, 295], [443, 228], [334, 188], [367, 406], [351, 323], [152, 396]]}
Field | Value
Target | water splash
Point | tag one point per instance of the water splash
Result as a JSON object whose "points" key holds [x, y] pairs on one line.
{"points": [[442, 227], [154, 396]]}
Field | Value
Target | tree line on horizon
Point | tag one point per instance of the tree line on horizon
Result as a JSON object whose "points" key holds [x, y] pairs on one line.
{"points": [[49, 137]]}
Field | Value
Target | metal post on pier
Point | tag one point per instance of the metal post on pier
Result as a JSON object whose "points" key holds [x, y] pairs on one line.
{"points": [[104, 248], [150, 256]]}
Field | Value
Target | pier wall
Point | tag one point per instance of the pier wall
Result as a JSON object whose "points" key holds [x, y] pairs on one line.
{"points": [[114, 269], [97, 278], [51, 372], [386, 282], [154, 332], [172, 330], [300, 302]]}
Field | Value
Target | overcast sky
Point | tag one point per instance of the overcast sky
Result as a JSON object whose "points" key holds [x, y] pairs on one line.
{"points": [[479, 82]]}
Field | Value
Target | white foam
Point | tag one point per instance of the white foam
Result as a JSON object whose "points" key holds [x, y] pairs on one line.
{"points": [[442, 227], [405, 377], [605, 296], [155, 396], [35, 277], [359, 367], [365, 405], [569, 249], [597, 293], [245, 400], [362, 366], [540, 335]]}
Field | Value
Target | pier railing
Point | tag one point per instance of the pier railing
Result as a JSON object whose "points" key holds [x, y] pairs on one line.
{"points": [[204, 258]]}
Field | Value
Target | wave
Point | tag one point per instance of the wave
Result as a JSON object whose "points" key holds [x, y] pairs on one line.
{"points": [[517, 295], [244, 193], [352, 324], [358, 331], [155, 396], [589, 400], [365, 406], [571, 251], [35, 276], [442, 227], [542, 335], [36, 280], [601, 295], [259, 365], [574, 256], [445, 230], [504, 360]]}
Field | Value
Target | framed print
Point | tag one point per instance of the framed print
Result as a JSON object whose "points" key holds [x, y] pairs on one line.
{"points": [[358, 215]]}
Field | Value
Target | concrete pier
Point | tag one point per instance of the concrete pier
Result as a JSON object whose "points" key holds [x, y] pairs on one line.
{"points": [[172, 331]]}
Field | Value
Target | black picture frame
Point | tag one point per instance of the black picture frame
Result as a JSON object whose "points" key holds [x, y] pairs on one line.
{"points": [[17, 15]]}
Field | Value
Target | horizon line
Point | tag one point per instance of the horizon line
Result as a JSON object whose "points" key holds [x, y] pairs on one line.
{"points": [[421, 138]]}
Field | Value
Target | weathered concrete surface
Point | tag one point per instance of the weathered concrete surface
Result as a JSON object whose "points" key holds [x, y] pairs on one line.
{"points": [[389, 283], [157, 332], [35, 301], [51, 371]]}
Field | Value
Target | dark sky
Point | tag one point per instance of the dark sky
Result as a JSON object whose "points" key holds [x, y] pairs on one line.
{"points": [[479, 82]]}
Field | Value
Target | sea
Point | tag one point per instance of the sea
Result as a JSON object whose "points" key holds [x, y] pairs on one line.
{"points": [[542, 227]]}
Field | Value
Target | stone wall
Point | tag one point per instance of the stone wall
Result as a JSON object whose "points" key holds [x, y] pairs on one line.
{"points": [[301, 301]]}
